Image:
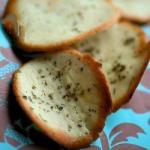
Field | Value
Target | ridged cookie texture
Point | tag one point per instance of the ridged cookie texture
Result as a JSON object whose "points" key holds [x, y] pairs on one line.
{"points": [[45, 25], [136, 10], [66, 95], [124, 53]]}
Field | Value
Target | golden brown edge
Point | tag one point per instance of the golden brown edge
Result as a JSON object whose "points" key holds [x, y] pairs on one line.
{"points": [[68, 141], [145, 46], [10, 9], [136, 19]]}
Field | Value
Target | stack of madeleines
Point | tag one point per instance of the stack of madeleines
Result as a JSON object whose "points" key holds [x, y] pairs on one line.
{"points": [[91, 61]]}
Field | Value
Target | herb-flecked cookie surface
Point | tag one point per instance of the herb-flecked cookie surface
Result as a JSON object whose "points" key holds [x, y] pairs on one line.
{"points": [[124, 54], [43, 25], [66, 95]]}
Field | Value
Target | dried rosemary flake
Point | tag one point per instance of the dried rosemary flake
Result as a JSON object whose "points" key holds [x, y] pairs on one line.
{"points": [[69, 62], [113, 81], [79, 125], [81, 69], [40, 71], [82, 92], [45, 83], [54, 78], [60, 108], [67, 87], [69, 127], [118, 68], [88, 89], [50, 96], [76, 99], [30, 99], [63, 97], [129, 41], [75, 29], [59, 74], [55, 63], [91, 110], [121, 77], [77, 84], [89, 49], [114, 91], [25, 97], [59, 87], [34, 96], [33, 87], [42, 76], [44, 120]]}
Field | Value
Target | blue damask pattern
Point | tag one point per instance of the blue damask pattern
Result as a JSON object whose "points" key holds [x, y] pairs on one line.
{"points": [[8, 68], [127, 116], [11, 133], [3, 40]]}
